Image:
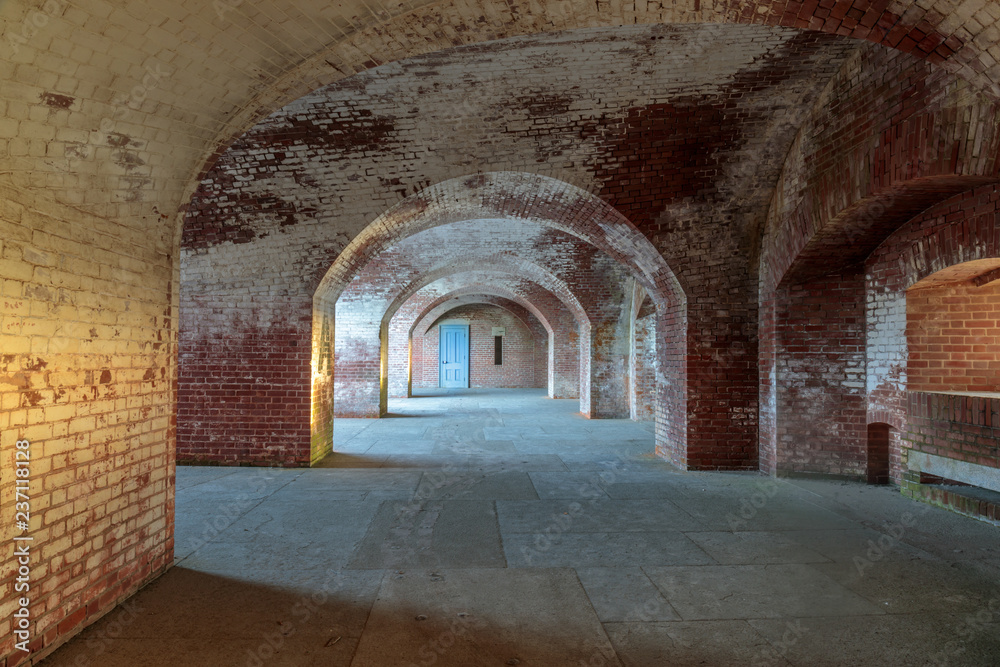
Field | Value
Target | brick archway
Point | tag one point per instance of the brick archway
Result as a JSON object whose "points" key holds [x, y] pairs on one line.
{"points": [[520, 359], [930, 249], [514, 196], [540, 200], [562, 356], [363, 346], [563, 329], [930, 33]]}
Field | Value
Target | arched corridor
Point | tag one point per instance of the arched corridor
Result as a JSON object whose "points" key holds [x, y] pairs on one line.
{"points": [[757, 240]]}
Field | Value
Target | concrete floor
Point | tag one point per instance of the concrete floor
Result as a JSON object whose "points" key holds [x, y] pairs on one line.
{"points": [[497, 527]]}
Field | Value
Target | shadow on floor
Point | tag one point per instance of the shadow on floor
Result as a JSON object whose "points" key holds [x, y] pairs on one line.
{"points": [[339, 460], [315, 617]]}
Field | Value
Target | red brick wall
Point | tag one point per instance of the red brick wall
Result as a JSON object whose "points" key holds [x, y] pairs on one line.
{"points": [[643, 370], [966, 428], [520, 351], [358, 369], [956, 232], [244, 387], [893, 137], [88, 357], [953, 336], [642, 357], [821, 369]]}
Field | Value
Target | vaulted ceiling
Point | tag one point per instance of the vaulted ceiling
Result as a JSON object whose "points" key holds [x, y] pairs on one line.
{"points": [[116, 108]]}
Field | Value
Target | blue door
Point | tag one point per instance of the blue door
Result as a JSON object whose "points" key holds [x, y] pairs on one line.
{"points": [[453, 356]]}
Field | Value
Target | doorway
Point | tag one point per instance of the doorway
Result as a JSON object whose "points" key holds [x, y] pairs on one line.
{"points": [[453, 356]]}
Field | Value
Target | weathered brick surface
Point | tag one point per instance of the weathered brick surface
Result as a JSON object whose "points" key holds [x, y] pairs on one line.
{"points": [[893, 136], [87, 376], [820, 341], [642, 357], [258, 377], [966, 428], [210, 85], [951, 496], [518, 369], [958, 239], [117, 110]]}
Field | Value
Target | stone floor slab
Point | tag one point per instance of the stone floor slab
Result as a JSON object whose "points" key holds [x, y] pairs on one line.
{"points": [[568, 485], [692, 644], [465, 485], [846, 545], [594, 514], [626, 549], [437, 533], [463, 618], [748, 548], [755, 591], [875, 641], [913, 586], [353, 480], [624, 594]]}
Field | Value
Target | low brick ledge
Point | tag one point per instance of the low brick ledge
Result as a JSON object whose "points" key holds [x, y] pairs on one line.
{"points": [[972, 408], [971, 501]]}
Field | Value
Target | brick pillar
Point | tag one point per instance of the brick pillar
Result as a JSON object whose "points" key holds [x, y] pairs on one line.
{"points": [[820, 376], [358, 370], [564, 359], [609, 370]]}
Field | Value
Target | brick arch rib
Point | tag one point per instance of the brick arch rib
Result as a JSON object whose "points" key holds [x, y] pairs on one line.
{"points": [[465, 273], [557, 384], [549, 202], [470, 295], [927, 32]]}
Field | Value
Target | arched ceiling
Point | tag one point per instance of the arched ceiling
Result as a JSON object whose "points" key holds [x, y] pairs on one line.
{"points": [[978, 272], [705, 118], [431, 317], [562, 263], [495, 197], [545, 304], [519, 277], [116, 107]]}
